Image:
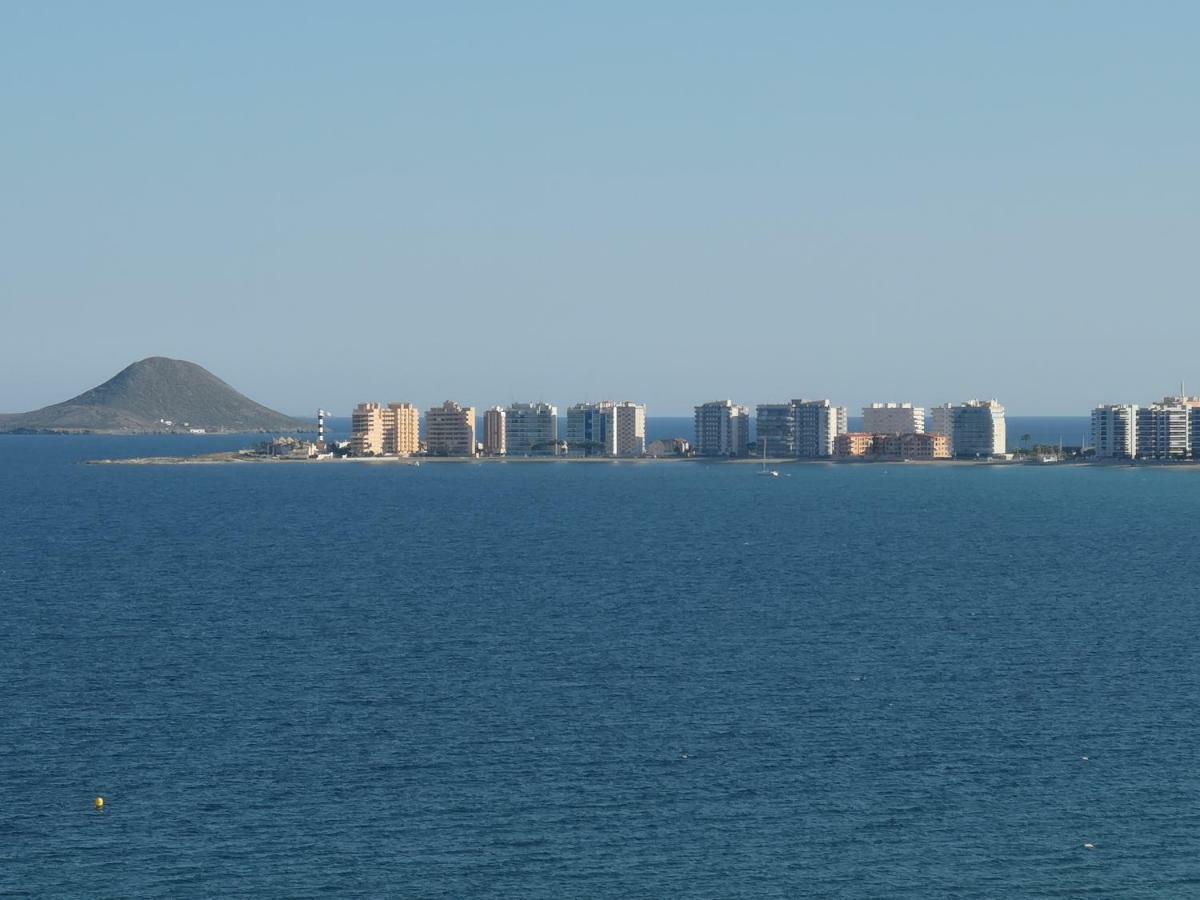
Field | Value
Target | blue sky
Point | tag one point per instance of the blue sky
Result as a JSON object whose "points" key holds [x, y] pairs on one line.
{"points": [[669, 202]]}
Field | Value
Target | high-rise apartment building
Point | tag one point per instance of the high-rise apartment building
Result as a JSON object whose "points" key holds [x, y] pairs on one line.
{"points": [[631, 428], [893, 418], [366, 430], [450, 430], [494, 431], [722, 429], [531, 428], [975, 428], [1114, 431], [1169, 429], [775, 424], [592, 429], [1192, 405], [802, 428], [606, 429], [401, 429], [818, 423], [379, 431], [1164, 430]]}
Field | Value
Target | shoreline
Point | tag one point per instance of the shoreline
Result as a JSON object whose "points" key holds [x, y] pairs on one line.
{"points": [[234, 458]]}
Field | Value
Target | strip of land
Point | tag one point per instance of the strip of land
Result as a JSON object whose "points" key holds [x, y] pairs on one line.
{"points": [[235, 458]]}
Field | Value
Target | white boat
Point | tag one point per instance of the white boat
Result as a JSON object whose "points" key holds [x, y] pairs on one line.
{"points": [[770, 473]]}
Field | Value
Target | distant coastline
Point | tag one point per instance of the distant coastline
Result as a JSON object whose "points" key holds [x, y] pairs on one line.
{"points": [[164, 432], [235, 458]]}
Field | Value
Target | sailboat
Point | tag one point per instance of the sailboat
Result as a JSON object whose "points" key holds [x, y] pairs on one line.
{"points": [[770, 473]]}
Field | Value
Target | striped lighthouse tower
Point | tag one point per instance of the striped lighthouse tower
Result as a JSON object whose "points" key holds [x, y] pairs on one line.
{"points": [[321, 414]]}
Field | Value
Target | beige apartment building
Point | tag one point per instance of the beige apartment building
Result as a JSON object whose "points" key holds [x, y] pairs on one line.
{"points": [[366, 430], [854, 443], [402, 429], [917, 445], [914, 445], [379, 431], [450, 430]]}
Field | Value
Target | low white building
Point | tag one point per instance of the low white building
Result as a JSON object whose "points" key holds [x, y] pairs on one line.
{"points": [[668, 447]]}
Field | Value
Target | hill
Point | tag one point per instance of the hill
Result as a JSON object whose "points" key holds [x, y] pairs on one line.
{"points": [[144, 396]]}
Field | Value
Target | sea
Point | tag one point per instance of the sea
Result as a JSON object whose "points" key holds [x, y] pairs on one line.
{"points": [[600, 680]]}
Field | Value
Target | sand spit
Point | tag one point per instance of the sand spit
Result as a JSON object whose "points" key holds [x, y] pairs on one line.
{"points": [[241, 459]]}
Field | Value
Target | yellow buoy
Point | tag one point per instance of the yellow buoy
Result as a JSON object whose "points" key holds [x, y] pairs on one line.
{"points": [[99, 803]]}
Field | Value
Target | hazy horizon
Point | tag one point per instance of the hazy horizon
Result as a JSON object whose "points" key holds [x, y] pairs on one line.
{"points": [[854, 411], [671, 203]]}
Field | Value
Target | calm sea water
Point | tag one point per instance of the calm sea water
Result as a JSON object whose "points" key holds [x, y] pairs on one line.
{"points": [[564, 680]]}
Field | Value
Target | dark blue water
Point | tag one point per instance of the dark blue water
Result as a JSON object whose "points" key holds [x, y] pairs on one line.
{"points": [[595, 680]]}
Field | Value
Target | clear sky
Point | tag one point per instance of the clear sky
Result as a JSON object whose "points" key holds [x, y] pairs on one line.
{"points": [[670, 202]]}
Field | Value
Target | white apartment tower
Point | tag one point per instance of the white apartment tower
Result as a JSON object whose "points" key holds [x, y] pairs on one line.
{"points": [[722, 429], [975, 428], [1114, 431], [606, 429], [530, 428], [776, 427], [631, 428], [802, 428], [592, 429], [893, 418], [818, 423], [1164, 430]]}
